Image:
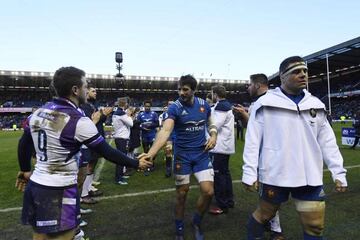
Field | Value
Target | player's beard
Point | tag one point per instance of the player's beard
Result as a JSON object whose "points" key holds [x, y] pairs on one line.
{"points": [[186, 99], [82, 100]]}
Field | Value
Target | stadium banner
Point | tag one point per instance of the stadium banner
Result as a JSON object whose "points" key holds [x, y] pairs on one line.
{"points": [[16, 110], [348, 136]]}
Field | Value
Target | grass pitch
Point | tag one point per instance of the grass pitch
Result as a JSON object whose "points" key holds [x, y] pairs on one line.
{"points": [[138, 211]]}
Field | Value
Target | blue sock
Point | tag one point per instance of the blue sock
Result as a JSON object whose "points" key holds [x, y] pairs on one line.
{"points": [[179, 223], [255, 230], [197, 219], [309, 237]]}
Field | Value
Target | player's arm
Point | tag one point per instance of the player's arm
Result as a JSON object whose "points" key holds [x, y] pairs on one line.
{"points": [[116, 156], [155, 122], [25, 150], [127, 120], [212, 129], [251, 154], [161, 138], [332, 156], [86, 133], [244, 115]]}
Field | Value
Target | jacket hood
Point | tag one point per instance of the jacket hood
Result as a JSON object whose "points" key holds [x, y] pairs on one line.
{"points": [[276, 98]]}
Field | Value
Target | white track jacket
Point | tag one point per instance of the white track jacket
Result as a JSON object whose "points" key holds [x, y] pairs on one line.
{"points": [[288, 143], [223, 118]]}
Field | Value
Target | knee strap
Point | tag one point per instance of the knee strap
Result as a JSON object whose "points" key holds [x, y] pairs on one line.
{"points": [[309, 206]]}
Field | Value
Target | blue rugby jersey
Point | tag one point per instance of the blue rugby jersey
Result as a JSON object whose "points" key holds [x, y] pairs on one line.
{"points": [[190, 123], [148, 120]]}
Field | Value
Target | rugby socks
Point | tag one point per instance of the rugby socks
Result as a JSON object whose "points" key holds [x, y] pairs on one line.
{"points": [[255, 230], [168, 165], [86, 186], [79, 234], [309, 237], [179, 224], [197, 219], [168, 162]]}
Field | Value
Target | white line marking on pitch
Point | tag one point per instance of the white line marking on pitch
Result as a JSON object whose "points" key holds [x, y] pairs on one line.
{"points": [[146, 192], [100, 167]]}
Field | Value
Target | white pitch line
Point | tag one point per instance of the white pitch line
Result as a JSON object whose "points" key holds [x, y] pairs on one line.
{"points": [[100, 167], [146, 192]]}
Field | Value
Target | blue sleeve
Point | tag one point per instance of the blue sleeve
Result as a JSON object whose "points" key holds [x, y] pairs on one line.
{"points": [[172, 112], [208, 109], [25, 151], [113, 155]]}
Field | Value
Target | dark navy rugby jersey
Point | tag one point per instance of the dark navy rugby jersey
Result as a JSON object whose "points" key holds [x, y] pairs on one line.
{"points": [[190, 123]]}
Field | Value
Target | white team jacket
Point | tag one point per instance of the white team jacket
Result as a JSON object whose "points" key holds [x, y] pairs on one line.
{"points": [[122, 125], [288, 143], [224, 121]]}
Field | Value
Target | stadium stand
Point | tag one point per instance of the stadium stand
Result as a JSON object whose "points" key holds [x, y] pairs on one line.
{"points": [[24, 89], [343, 62], [21, 90]]}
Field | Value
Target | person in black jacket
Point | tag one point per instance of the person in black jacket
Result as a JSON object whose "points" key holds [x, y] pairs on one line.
{"points": [[90, 158]]}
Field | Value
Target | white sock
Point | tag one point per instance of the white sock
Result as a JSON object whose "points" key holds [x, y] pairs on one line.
{"points": [[79, 235], [275, 223], [87, 185]]}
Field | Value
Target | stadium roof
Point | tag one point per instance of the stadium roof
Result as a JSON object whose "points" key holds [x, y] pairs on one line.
{"points": [[129, 83], [344, 57]]}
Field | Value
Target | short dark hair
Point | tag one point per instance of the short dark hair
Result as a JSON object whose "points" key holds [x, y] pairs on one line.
{"points": [[148, 101], [285, 63], [220, 90], [259, 78], [91, 85], [188, 80], [65, 78]]}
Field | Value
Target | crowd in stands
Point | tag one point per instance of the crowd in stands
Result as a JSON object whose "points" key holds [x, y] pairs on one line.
{"points": [[9, 120], [341, 106], [345, 106]]}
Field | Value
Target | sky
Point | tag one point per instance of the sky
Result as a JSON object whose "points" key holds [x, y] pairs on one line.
{"points": [[228, 39]]}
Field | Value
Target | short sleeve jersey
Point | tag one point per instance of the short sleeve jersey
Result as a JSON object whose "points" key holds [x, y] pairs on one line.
{"points": [[148, 120], [190, 123], [58, 130]]}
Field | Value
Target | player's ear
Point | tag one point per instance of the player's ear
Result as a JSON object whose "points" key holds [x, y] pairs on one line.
{"points": [[75, 90]]}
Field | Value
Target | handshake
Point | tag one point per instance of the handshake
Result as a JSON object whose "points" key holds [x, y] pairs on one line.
{"points": [[145, 162]]}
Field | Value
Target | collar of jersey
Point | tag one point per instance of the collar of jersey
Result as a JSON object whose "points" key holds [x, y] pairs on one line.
{"points": [[65, 101]]}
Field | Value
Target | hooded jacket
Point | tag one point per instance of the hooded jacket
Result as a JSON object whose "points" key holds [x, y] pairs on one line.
{"points": [[288, 143], [223, 118]]}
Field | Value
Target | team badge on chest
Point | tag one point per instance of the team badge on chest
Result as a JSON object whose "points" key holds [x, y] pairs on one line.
{"points": [[202, 109]]}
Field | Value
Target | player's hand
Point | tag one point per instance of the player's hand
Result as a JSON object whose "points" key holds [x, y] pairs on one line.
{"points": [[21, 180], [210, 144], [107, 110], [145, 161], [339, 186], [168, 147], [95, 117], [240, 109], [251, 188], [130, 112]]}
